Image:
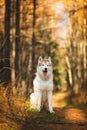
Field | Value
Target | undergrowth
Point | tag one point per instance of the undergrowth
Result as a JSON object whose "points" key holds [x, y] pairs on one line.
{"points": [[42, 117], [18, 108]]}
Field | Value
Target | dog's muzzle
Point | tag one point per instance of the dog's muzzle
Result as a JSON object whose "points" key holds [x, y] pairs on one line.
{"points": [[45, 71]]}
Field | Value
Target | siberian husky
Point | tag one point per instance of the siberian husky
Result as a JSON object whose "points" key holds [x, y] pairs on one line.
{"points": [[43, 85]]}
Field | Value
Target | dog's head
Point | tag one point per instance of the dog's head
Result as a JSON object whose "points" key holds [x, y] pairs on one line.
{"points": [[44, 67]]}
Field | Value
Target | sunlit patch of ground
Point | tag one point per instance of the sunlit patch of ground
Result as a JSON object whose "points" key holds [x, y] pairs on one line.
{"points": [[75, 115], [59, 99]]}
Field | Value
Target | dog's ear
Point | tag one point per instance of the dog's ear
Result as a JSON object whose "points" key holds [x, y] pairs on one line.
{"points": [[40, 60], [49, 59]]}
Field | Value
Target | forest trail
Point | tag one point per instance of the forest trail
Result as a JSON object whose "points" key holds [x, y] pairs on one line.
{"points": [[69, 118], [59, 99], [71, 114]]}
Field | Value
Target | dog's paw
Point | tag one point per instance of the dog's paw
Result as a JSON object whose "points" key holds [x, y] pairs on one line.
{"points": [[51, 111]]}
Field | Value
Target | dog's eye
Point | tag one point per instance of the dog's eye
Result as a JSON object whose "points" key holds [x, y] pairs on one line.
{"points": [[49, 65], [42, 64]]}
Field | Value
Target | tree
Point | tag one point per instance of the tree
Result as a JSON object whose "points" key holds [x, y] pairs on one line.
{"points": [[17, 37], [77, 49], [33, 40], [6, 50]]}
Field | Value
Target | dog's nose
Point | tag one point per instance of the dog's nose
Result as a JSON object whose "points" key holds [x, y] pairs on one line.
{"points": [[45, 69]]}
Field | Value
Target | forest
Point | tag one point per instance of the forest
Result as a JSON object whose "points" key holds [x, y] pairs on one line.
{"points": [[33, 28]]}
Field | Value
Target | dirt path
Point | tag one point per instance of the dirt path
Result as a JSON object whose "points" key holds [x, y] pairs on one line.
{"points": [[66, 118], [59, 99], [77, 115]]}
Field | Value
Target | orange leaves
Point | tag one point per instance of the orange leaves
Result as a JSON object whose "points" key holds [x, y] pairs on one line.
{"points": [[11, 104], [1, 2]]}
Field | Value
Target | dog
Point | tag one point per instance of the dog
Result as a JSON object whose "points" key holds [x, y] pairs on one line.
{"points": [[43, 85]]}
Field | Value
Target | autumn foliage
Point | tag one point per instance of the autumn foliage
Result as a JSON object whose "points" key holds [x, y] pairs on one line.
{"points": [[56, 28]]}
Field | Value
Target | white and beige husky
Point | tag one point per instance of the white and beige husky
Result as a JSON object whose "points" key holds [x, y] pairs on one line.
{"points": [[43, 85]]}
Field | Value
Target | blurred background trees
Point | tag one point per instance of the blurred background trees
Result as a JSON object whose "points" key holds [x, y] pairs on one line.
{"points": [[30, 28]]}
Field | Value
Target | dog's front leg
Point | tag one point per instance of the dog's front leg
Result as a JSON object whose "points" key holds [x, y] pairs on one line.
{"points": [[39, 96], [49, 96]]}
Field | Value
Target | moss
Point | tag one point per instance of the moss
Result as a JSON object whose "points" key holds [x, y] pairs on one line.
{"points": [[42, 117]]}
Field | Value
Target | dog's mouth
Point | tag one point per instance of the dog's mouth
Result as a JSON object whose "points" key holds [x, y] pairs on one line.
{"points": [[45, 72]]}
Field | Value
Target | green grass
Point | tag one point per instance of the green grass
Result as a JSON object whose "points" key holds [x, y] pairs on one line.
{"points": [[44, 116]]}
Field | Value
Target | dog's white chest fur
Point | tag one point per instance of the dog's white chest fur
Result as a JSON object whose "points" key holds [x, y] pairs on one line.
{"points": [[43, 85]]}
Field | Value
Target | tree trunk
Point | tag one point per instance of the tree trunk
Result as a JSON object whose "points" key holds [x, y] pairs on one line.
{"points": [[6, 50], [85, 45], [33, 41], [17, 38]]}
